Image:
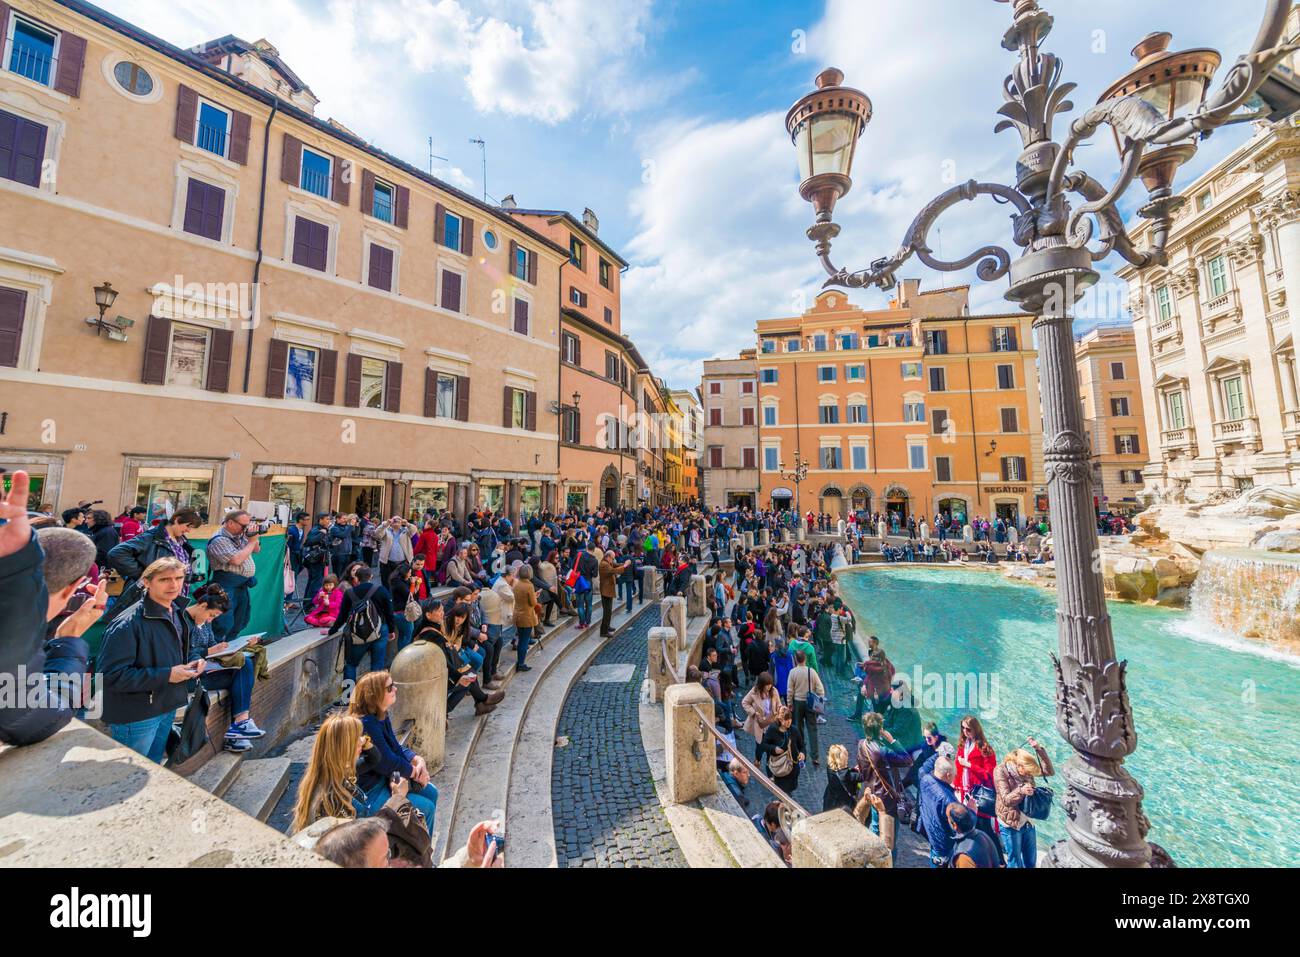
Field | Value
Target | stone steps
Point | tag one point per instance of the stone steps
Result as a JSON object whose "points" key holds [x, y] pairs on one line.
{"points": [[218, 773], [464, 729], [485, 778], [260, 785]]}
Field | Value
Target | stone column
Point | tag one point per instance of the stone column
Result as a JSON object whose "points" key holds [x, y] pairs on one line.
{"points": [[513, 503], [420, 673], [697, 605], [659, 641], [672, 614], [1285, 209], [1102, 803], [836, 840], [688, 747], [324, 501], [764, 537], [651, 584], [748, 539]]}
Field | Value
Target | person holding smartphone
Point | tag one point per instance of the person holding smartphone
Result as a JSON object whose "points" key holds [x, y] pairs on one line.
{"points": [[372, 701], [144, 662]]}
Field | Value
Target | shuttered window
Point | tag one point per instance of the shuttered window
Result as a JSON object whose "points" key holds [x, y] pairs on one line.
{"points": [[1010, 420], [311, 241], [22, 149], [1006, 377], [205, 210], [381, 267], [522, 317], [451, 291], [715, 457], [943, 469], [13, 309]]}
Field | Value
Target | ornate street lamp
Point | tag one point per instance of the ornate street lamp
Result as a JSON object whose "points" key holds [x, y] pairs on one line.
{"points": [[797, 476], [1157, 114], [105, 296]]}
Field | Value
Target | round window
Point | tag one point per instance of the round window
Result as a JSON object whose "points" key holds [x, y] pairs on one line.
{"points": [[133, 78], [490, 239]]}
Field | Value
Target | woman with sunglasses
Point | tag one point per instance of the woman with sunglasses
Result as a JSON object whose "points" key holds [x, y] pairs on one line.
{"points": [[372, 701]]}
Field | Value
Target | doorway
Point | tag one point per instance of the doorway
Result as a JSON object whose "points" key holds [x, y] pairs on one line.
{"points": [[1009, 512], [954, 508], [361, 497]]}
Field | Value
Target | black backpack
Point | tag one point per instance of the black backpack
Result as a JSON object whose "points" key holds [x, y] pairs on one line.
{"points": [[363, 625]]}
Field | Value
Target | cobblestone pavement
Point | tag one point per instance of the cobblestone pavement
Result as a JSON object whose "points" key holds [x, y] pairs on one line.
{"points": [[840, 728], [607, 813]]}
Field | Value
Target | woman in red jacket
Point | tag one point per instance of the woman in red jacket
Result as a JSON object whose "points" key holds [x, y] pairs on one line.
{"points": [[975, 759]]}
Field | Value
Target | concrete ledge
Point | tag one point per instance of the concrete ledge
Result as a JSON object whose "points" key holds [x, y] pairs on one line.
{"points": [[80, 799]]}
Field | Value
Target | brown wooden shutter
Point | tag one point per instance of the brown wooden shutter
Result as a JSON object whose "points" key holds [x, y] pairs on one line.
{"points": [[514, 256], [508, 408], [343, 173], [291, 160], [4, 21], [530, 411], [467, 236], [13, 309], [1023, 471], [532, 268], [352, 382], [241, 129], [1006, 462], [277, 365], [1011, 338], [462, 398], [401, 207], [393, 388], [430, 393], [993, 339], [1137, 445], [368, 192], [157, 342], [223, 341], [187, 114], [440, 224], [577, 351], [326, 376], [72, 58]]}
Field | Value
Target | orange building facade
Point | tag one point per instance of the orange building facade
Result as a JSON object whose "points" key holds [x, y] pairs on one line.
{"points": [[916, 410]]}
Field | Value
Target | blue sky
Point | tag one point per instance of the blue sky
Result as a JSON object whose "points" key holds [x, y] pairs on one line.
{"points": [[666, 118]]}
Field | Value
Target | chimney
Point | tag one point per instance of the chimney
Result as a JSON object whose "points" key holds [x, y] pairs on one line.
{"points": [[911, 288], [509, 202], [590, 221]]}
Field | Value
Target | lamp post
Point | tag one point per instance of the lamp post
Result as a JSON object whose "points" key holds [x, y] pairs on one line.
{"points": [[1157, 114], [796, 476]]}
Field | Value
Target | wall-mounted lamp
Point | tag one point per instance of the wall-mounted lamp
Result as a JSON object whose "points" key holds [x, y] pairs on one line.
{"points": [[559, 408], [105, 296]]}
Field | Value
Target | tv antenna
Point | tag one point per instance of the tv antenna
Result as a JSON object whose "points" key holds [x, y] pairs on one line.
{"points": [[432, 157], [482, 145]]}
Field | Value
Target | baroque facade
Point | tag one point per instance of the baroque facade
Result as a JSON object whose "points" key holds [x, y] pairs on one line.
{"points": [[1215, 330], [729, 462]]}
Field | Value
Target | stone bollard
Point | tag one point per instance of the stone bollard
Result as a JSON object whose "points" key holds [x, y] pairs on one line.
{"points": [[660, 677], [802, 533], [764, 538], [785, 535], [688, 748], [420, 673], [652, 585], [748, 539], [835, 839], [697, 604], [672, 614]]}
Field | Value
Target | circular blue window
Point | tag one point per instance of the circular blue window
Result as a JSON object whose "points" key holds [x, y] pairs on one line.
{"points": [[490, 239]]}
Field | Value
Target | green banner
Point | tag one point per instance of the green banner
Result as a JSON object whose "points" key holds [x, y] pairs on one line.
{"points": [[266, 613]]}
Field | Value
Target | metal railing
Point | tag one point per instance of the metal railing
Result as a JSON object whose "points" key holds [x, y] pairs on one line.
{"points": [[314, 181], [211, 138], [32, 63], [791, 810]]}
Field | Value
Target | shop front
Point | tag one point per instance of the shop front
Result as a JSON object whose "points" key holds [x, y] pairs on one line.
{"points": [[955, 509], [164, 487], [782, 500], [530, 500], [491, 495], [1009, 503], [426, 496], [897, 506], [361, 496], [44, 475]]}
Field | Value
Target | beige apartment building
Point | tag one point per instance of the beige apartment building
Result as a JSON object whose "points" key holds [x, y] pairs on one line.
{"points": [[311, 321], [597, 462], [1215, 330], [729, 395], [1111, 392]]}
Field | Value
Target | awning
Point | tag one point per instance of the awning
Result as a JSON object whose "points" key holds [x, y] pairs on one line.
{"points": [[782, 493]]}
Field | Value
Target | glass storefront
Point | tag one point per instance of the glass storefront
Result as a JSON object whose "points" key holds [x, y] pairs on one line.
{"points": [[289, 491], [492, 496], [164, 491], [577, 498], [361, 497], [425, 496], [954, 508], [36, 492], [530, 500]]}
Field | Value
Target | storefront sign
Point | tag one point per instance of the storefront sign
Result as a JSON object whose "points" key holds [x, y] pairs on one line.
{"points": [[1005, 490]]}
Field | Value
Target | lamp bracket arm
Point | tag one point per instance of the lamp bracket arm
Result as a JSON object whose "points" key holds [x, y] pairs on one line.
{"points": [[1114, 234], [994, 261]]}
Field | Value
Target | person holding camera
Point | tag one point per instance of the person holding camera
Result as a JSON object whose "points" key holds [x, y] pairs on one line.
{"points": [[230, 555]]}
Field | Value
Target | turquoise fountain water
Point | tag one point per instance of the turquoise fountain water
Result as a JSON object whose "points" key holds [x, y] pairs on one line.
{"points": [[1218, 749]]}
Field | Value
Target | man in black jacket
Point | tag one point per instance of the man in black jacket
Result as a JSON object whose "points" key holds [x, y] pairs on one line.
{"points": [[132, 557], [316, 556]]}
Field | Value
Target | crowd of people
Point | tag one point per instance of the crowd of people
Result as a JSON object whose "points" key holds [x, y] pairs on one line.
{"points": [[778, 630], [478, 588]]}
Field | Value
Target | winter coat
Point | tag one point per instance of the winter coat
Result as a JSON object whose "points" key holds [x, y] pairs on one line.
{"points": [[140, 648]]}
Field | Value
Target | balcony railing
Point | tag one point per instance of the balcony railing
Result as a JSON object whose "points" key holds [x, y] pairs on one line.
{"points": [[1178, 439], [1237, 431], [212, 138], [31, 62], [1165, 329], [314, 181], [1220, 311]]}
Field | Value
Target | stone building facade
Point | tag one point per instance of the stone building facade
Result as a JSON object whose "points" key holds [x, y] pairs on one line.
{"points": [[729, 460], [1215, 330], [1111, 391], [916, 409], [315, 322]]}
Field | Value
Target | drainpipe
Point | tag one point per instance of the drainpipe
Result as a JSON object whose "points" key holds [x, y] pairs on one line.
{"points": [[559, 377], [257, 266]]}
